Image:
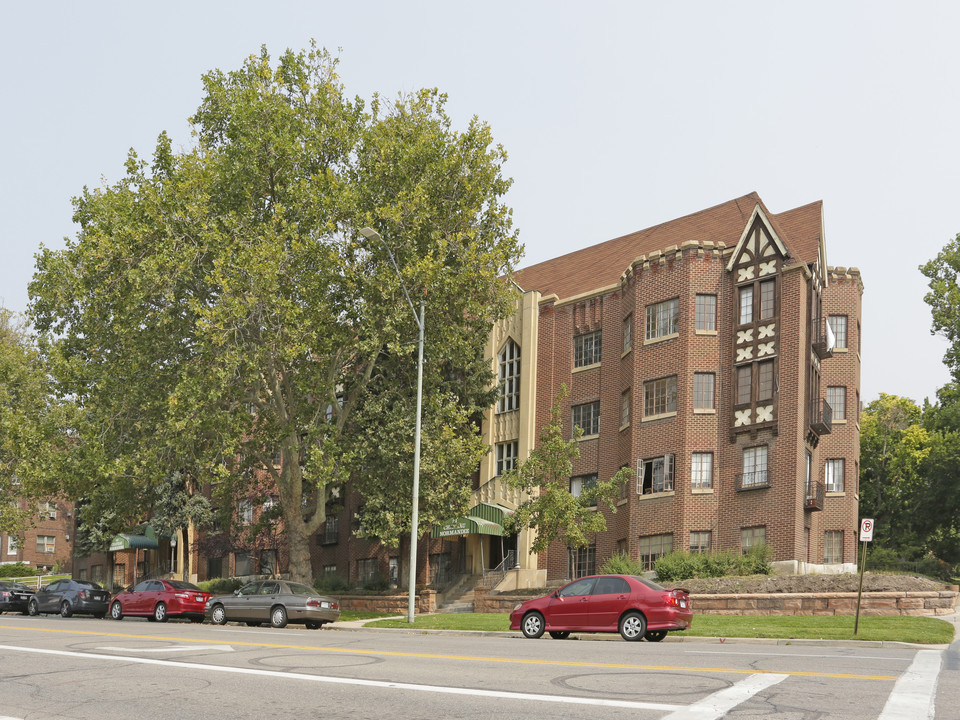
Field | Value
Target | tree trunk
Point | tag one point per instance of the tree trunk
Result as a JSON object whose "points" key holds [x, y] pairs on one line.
{"points": [[301, 570]]}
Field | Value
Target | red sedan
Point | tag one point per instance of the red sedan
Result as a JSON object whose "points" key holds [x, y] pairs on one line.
{"points": [[160, 599], [631, 605]]}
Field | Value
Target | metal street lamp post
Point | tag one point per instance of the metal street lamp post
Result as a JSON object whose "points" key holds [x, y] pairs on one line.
{"points": [[372, 234]]}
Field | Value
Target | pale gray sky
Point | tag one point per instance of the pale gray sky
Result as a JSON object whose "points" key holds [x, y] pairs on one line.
{"points": [[616, 116]]}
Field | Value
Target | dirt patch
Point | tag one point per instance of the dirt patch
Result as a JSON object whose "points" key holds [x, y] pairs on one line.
{"points": [[750, 584]]}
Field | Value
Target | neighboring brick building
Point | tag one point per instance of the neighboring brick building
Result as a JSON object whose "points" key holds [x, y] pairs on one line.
{"points": [[717, 355], [49, 543]]}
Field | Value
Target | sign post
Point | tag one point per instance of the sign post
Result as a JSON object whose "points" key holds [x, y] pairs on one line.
{"points": [[866, 535]]}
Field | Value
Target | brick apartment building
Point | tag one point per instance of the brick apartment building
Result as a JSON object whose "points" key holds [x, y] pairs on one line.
{"points": [[716, 355], [49, 543]]}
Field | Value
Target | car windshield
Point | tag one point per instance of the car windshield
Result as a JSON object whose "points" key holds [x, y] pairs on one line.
{"points": [[181, 585], [298, 589], [87, 583], [649, 583]]}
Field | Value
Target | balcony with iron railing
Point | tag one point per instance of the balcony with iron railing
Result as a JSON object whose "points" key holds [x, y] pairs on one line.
{"points": [[753, 480], [814, 496], [821, 417], [820, 338]]}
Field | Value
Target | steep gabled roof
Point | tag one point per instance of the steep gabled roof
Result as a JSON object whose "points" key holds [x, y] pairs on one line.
{"points": [[602, 265]]}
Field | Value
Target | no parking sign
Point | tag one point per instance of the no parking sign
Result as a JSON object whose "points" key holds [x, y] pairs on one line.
{"points": [[866, 530]]}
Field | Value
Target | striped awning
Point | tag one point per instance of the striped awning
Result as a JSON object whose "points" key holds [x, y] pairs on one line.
{"points": [[129, 541], [483, 519]]}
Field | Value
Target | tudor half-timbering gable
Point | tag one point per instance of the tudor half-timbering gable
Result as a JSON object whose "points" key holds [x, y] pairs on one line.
{"points": [[756, 266]]}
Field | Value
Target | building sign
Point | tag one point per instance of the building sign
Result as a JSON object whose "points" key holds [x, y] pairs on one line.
{"points": [[453, 527]]}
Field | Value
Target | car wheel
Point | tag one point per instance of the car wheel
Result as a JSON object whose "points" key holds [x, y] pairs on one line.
{"points": [[116, 611], [33, 608], [218, 615], [559, 634], [532, 625], [160, 613], [65, 609], [632, 626], [278, 617], [655, 635]]}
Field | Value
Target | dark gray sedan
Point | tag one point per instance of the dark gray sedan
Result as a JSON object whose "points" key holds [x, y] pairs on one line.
{"points": [[14, 596], [275, 601], [68, 597]]}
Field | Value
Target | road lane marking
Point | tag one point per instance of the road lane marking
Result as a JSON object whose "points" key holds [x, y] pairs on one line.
{"points": [[794, 655], [172, 648], [478, 658], [501, 694], [718, 704], [914, 693]]}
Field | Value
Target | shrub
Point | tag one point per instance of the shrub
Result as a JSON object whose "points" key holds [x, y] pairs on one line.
{"points": [[332, 583], [220, 586], [682, 565], [377, 583], [621, 564], [18, 570]]}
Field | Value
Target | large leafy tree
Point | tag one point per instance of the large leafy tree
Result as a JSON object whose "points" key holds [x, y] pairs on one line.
{"points": [[544, 477], [219, 315], [32, 419]]}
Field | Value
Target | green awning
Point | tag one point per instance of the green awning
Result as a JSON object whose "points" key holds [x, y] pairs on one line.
{"points": [[483, 519], [143, 537], [128, 541]]}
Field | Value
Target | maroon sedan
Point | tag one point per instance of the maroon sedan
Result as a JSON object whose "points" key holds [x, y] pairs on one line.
{"points": [[631, 605], [160, 599]]}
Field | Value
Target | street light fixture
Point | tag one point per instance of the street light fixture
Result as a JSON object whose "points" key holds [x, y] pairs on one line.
{"points": [[372, 234]]}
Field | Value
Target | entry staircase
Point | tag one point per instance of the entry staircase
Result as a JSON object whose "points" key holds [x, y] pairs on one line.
{"points": [[458, 598]]}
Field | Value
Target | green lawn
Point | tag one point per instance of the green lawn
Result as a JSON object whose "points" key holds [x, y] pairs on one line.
{"points": [[801, 627]]}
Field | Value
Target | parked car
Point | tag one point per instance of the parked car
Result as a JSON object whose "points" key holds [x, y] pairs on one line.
{"points": [[631, 605], [14, 596], [158, 600], [69, 597], [275, 601]]}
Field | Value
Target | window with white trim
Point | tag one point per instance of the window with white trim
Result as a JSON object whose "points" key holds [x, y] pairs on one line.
{"points": [[751, 537], [700, 541], [653, 547], [580, 483], [660, 396], [586, 349], [655, 475], [628, 332], [746, 305], [838, 323], [46, 544], [701, 470], [832, 547], [625, 398], [703, 390], [12, 545], [755, 466], [706, 313], [662, 319], [837, 399], [833, 475]]}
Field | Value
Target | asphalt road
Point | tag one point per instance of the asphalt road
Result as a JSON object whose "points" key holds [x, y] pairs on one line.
{"points": [[78, 667]]}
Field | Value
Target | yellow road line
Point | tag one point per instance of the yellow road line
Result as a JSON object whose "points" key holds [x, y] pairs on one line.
{"points": [[475, 658]]}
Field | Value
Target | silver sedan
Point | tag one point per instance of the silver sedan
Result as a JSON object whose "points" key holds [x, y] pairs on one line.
{"points": [[275, 601]]}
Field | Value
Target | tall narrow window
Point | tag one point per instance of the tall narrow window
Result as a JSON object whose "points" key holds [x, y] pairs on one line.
{"points": [[768, 299], [701, 471], [703, 386], [509, 378], [625, 402], [755, 466], [751, 537], [586, 349], [837, 399], [833, 475], [587, 417], [838, 323], [746, 305], [662, 319], [583, 561], [581, 483], [744, 379], [506, 456], [627, 332], [660, 396], [706, 313], [765, 380]]}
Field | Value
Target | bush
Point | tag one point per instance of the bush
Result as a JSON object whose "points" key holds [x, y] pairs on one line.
{"points": [[621, 564], [683, 566], [220, 586], [18, 570], [378, 583], [332, 583]]}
